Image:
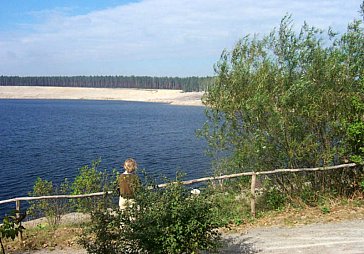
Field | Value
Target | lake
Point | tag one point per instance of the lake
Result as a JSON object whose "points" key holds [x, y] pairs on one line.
{"points": [[52, 139]]}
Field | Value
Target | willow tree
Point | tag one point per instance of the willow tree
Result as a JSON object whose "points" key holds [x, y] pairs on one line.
{"points": [[288, 99]]}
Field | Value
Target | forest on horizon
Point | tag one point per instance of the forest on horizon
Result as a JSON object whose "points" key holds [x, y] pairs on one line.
{"points": [[187, 84]]}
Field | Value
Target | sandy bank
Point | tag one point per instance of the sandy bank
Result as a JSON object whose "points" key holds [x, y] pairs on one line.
{"points": [[174, 97]]}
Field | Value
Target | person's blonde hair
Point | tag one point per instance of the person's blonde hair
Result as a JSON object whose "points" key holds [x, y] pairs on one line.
{"points": [[130, 165]]}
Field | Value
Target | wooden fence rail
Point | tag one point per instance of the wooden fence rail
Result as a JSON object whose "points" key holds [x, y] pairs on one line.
{"points": [[350, 165], [204, 179], [255, 174], [55, 197]]}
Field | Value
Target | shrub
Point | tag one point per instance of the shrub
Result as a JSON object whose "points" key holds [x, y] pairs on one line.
{"points": [[52, 209], [274, 198], [168, 220], [230, 200], [10, 228], [90, 180]]}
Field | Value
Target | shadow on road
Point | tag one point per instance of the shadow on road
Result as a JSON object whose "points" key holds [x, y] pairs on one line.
{"points": [[235, 244]]}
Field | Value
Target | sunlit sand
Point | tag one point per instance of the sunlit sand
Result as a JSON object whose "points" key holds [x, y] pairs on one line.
{"points": [[174, 97]]}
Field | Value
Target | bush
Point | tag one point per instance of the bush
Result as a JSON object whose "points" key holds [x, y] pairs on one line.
{"points": [[52, 209], [231, 201], [90, 180], [169, 220], [274, 198], [10, 228]]}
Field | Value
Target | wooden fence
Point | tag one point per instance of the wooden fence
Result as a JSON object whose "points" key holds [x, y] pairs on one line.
{"points": [[199, 180], [255, 174]]}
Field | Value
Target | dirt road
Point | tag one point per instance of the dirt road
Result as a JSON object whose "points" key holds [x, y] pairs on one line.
{"points": [[342, 237]]}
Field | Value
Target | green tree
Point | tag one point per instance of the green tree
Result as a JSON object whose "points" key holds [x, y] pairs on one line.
{"points": [[288, 99], [353, 43]]}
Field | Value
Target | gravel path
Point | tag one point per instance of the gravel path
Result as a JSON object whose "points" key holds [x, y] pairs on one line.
{"points": [[342, 237]]}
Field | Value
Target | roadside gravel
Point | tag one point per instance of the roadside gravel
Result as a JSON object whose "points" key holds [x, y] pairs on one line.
{"points": [[341, 237]]}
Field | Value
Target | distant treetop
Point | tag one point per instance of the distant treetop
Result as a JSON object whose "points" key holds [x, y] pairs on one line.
{"points": [[187, 84]]}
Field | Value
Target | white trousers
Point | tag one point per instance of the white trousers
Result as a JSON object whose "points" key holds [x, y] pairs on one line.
{"points": [[124, 202]]}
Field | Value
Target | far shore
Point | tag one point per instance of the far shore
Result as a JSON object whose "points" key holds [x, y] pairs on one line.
{"points": [[173, 97]]}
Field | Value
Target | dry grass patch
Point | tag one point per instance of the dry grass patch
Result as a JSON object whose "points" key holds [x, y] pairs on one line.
{"points": [[44, 237], [39, 235]]}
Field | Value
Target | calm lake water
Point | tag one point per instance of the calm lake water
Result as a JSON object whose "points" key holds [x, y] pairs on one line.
{"points": [[52, 139]]}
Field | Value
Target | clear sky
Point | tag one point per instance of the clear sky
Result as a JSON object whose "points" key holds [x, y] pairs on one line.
{"points": [[145, 37]]}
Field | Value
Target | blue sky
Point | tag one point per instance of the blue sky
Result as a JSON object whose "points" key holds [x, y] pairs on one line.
{"points": [[145, 37]]}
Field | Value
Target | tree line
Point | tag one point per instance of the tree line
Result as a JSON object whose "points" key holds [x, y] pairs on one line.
{"points": [[187, 84]]}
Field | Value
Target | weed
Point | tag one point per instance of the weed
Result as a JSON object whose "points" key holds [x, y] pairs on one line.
{"points": [[325, 209]]}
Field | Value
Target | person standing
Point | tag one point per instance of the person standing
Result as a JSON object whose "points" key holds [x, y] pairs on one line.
{"points": [[128, 183]]}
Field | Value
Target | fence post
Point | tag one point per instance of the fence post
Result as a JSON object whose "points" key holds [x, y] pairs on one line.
{"points": [[252, 194], [17, 208]]}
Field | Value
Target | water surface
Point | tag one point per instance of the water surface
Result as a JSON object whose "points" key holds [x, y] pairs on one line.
{"points": [[52, 139]]}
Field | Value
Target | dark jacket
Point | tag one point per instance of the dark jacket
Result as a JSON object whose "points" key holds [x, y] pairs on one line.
{"points": [[128, 183]]}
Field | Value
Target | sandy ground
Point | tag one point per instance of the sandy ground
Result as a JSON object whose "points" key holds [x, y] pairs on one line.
{"points": [[174, 97]]}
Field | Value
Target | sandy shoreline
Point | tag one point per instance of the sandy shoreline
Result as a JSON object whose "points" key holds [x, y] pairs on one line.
{"points": [[173, 97]]}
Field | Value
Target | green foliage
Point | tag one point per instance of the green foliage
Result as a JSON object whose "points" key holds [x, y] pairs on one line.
{"points": [[90, 180], [10, 228], [274, 199], [325, 209], [361, 187], [288, 100], [310, 188], [353, 43], [230, 199], [355, 133], [169, 220], [230, 208], [105, 234], [52, 209], [309, 196]]}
